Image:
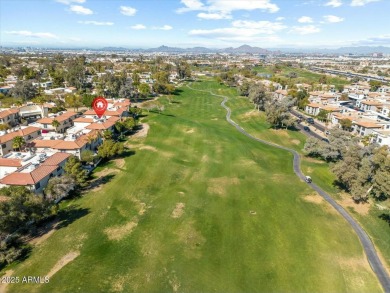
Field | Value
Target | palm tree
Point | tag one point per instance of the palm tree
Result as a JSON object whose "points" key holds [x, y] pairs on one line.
{"points": [[18, 142], [55, 124]]}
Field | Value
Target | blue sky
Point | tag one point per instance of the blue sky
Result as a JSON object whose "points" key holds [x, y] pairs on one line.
{"points": [[188, 23]]}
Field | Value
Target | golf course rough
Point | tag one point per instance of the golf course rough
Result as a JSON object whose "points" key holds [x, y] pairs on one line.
{"points": [[199, 207]]}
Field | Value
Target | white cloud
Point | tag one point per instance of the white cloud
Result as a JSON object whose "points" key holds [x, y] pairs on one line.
{"points": [[280, 18], [383, 40], [96, 22], [214, 15], [33, 35], [225, 8], [67, 2], [80, 10], [127, 10], [333, 18], [305, 30], [190, 5], [262, 27], [334, 3], [305, 19], [229, 6], [163, 28], [243, 31], [138, 27], [362, 2]]}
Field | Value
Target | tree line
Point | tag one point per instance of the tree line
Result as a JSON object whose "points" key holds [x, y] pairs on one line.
{"points": [[361, 170]]}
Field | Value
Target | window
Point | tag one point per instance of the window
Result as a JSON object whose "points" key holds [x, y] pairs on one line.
{"points": [[38, 185], [3, 146], [379, 140], [59, 169]]}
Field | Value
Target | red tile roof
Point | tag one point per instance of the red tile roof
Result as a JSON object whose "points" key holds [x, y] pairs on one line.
{"points": [[56, 159], [4, 162], [8, 112], [18, 178], [22, 132]]}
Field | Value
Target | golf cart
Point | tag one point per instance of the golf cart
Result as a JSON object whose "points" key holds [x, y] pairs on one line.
{"points": [[308, 179]]}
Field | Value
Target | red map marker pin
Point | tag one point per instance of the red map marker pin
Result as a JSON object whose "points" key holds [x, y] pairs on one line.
{"points": [[100, 105]]}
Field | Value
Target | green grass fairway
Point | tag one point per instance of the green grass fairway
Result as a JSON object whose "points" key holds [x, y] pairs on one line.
{"points": [[200, 207]]}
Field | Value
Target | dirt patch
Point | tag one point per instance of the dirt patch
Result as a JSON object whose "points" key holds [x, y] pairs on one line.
{"points": [[248, 115], [141, 206], [48, 230], [4, 198], [314, 198], [205, 159], [295, 141], [105, 172], [189, 131], [3, 286], [148, 148], [360, 208], [219, 185], [174, 282], [178, 211], [119, 232], [181, 193], [280, 132], [214, 119], [63, 262], [309, 170], [143, 132], [120, 163], [191, 239], [313, 160]]}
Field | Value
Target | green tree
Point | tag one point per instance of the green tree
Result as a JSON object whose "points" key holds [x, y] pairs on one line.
{"points": [[258, 96], [22, 207], [375, 85], [183, 70], [243, 90], [107, 134], [144, 90], [24, 90], [73, 101], [136, 79], [87, 156], [87, 100], [55, 124], [109, 149], [323, 115], [346, 124], [18, 142], [59, 187], [73, 168]]}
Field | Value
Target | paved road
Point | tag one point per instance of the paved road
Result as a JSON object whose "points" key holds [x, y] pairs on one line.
{"points": [[368, 246], [316, 125]]}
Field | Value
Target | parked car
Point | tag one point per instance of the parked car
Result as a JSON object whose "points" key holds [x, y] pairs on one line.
{"points": [[326, 140], [306, 128], [327, 132], [300, 116], [310, 120], [308, 179]]}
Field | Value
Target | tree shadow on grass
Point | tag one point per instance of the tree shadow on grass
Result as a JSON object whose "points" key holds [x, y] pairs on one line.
{"points": [[69, 215], [385, 217], [157, 112], [99, 182]]}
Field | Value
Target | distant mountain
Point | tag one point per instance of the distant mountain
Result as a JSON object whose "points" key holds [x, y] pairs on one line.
{"points": [[114, 49], [246, 49]]}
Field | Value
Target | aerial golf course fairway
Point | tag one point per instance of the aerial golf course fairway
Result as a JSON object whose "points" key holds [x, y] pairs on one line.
{"points": [[199, 207]]}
